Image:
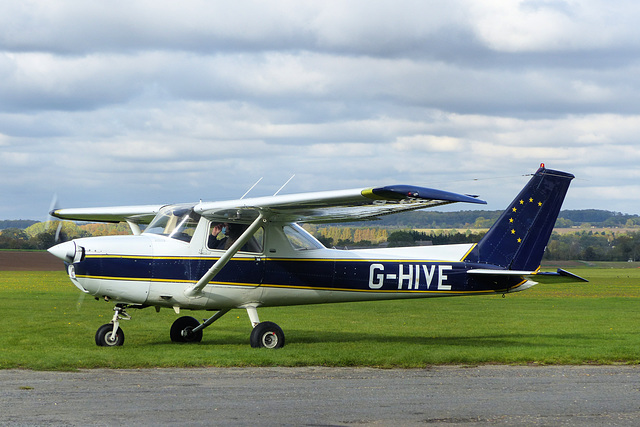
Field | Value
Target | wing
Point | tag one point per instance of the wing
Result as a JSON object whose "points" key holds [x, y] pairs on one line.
{"points": [[333, 206], [137, 214]]}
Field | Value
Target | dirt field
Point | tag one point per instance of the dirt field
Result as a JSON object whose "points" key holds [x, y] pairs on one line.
{"points": [[29, 261]]}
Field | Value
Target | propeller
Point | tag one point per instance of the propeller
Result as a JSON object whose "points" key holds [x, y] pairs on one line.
{"points": [[52, 207], [80, 301]]}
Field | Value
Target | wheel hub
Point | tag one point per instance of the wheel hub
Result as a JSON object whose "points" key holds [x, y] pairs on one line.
{"points": [[270, 340]]}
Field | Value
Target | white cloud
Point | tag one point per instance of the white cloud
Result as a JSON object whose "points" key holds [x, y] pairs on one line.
{"points": [[547, 26]]}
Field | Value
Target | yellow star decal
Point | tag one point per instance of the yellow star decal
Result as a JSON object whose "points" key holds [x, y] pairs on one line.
{"points": [[513, 231], [515, 210], [530, 199], [522, 202], [539, 204], [511, 220], [519, 240]]}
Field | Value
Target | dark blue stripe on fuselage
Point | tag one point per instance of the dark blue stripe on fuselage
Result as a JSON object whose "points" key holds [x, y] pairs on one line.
{"points": [[370, 275]]}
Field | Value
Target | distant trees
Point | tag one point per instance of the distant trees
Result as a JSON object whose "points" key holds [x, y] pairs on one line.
{"points": [[340, 236], [17, 239], [16, 223], [437, 237], [14, 238], [484, 219], [42, 235], [618, 242], [589, 246]]}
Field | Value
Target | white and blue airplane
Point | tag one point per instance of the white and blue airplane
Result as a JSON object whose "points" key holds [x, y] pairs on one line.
{"points": [[251, 253]]}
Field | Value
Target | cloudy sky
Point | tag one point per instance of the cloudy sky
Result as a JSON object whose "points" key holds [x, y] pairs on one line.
{"points": [[144, 102]]}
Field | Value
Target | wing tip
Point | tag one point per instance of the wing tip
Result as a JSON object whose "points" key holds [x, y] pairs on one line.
{"points": [[407, 192]]}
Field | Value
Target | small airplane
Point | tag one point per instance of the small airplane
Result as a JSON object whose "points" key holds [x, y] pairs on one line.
{"points": [[252, 253]]}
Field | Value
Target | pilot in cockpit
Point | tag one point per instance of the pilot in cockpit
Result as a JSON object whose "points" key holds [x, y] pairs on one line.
{"points": [[218, 237], [223, 235], [234, 231]]}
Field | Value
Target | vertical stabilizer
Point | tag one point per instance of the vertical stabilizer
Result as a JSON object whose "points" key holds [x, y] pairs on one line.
{"points": [[519, 237]]}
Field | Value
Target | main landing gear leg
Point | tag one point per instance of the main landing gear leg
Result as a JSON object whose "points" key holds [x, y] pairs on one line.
{"points": [[188, 329], [264, 334], [110, 334]]}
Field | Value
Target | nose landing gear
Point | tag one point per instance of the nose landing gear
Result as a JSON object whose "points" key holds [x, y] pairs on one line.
{"points": [[110, 334]]}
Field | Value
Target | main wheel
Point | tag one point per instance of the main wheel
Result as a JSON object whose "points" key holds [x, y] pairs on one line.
{"points": [[105, 337], [182, 330], [268, 335]]}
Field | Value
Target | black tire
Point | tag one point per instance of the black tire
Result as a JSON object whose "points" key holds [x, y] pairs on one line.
{"points": [[105, 338], [267, 335], [186, 324]]}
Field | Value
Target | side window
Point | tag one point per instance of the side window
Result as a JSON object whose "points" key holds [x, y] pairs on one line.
{"points": [[223, 235], [256, 243], [299, 239]]}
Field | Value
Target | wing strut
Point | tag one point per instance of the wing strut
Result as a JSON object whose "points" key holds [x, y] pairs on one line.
{"points": [[194, 291]]}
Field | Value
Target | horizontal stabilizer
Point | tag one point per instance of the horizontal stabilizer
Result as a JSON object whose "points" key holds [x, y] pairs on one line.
{"points": [[540, 277], [558, 277], [489, 272]]}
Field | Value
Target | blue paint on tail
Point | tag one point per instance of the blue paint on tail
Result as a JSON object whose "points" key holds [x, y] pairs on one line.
{"points": [[518, 239]]}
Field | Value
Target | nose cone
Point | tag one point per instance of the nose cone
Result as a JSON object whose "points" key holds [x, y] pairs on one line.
{"points": [[65, 251]]}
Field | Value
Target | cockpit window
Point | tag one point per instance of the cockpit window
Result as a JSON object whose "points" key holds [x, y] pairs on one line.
{"points": [[300, 239], [177, 222]]}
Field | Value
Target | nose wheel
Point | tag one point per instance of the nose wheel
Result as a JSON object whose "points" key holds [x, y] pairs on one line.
{"points": [[110, 334], [106, 338]]}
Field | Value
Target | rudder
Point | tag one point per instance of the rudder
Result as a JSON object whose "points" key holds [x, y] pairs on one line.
{"points": [[519, 237]]}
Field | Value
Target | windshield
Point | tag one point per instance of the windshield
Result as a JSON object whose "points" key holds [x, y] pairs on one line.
{"points": [[177, 222]]}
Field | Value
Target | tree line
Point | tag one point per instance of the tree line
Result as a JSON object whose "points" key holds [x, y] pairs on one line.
{"points": [[484, 219], [43, 235], [579, 245]]}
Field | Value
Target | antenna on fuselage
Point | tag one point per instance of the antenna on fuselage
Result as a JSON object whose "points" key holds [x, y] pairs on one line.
{"points": [[251, 188], [283, 185]]}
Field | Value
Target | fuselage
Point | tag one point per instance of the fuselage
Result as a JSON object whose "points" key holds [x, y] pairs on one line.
{"points": [[290, 268]]}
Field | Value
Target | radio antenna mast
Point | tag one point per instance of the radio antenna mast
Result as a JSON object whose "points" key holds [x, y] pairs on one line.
{"points": [[283, 185], [251, 188]]}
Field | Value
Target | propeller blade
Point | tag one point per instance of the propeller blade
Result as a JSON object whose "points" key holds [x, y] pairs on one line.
{"points": [[57, 237], [52, 207]]}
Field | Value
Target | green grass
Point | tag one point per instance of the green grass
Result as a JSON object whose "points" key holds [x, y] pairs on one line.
{"points": [[47, 324]]}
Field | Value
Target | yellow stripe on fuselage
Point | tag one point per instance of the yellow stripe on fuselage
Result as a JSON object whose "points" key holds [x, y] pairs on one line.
{"points": [[309, 288]]}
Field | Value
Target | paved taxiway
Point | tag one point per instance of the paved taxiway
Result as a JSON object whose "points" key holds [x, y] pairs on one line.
{"points": [[485, 395]]}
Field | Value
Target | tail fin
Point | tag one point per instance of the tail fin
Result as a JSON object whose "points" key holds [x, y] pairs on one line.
{"points": [[518, 239]]}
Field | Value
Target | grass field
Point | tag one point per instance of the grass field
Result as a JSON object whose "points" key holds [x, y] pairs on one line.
{"points": [[47, 324]]}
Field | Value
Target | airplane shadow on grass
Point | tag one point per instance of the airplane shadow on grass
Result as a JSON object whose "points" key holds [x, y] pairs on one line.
{"points": [[306, 337], [506, 340]]}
